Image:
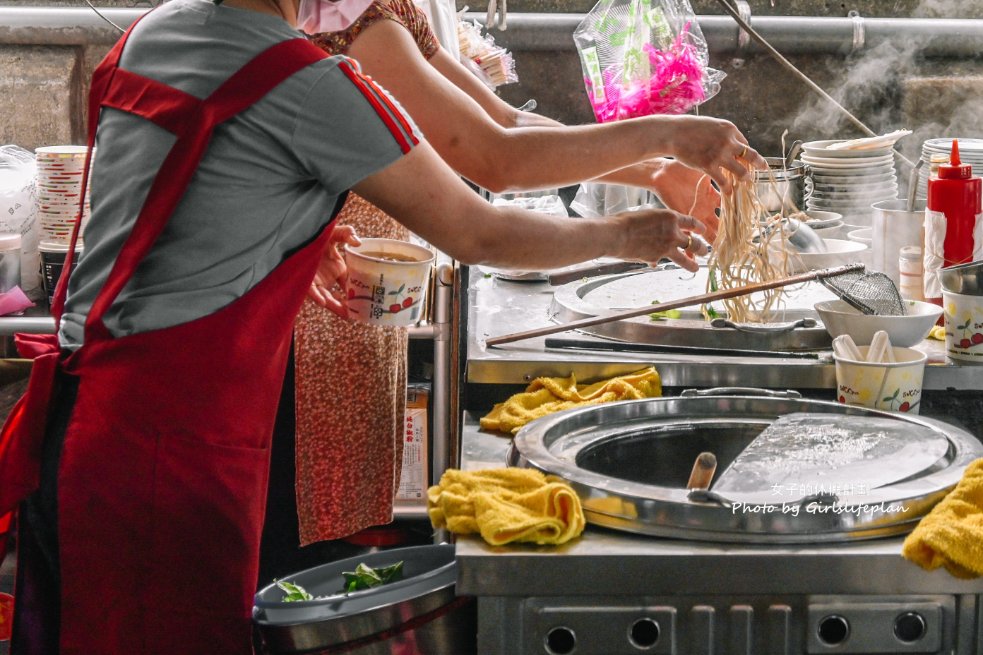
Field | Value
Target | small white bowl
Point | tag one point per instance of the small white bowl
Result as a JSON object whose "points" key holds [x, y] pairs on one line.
{"points": [[864, 235], [818, 219], [838, 253], [830, 231], [840, 317]]}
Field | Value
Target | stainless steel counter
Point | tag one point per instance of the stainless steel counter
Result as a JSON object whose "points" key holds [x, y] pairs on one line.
{"points": [[498, 307], [704, 597], [611, 592], [522, 570]]}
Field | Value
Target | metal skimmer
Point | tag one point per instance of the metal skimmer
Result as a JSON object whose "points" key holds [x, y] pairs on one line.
{"points": [[870, 292]]}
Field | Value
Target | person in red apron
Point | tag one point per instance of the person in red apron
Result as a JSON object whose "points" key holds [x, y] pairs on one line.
{"points": [[146, 427]]}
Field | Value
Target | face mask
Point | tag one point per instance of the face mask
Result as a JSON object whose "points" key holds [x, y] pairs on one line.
{"points": [[316, 16]]}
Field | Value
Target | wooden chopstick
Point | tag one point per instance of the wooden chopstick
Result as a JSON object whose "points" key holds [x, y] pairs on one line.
{"points": [[674, 304]]}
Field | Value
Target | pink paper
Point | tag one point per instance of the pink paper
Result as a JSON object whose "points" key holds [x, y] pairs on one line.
{"points": [[14, 301]]}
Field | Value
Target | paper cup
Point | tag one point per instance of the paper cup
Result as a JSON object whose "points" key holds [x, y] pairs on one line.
{"points": [[387, 281], [53, 255], [963, 326], [893, 387]]}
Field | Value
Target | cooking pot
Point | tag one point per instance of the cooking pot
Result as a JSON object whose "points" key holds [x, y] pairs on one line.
{"points": [[783, 187], [790, 470]]}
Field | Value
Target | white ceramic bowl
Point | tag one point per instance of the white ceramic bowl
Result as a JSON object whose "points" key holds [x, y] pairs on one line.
{"points": [[904, 331], [819, 219], [864, 235], [838, 252], [821, 149], [831, 231]]}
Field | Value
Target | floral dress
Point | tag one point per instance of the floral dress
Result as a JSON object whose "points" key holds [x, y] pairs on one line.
{"points": [[351, 377]]}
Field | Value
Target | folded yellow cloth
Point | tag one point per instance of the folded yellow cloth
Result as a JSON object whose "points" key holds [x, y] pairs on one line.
{"points": [[937, 333], [506, 505], [547, 395], [951, 535]]}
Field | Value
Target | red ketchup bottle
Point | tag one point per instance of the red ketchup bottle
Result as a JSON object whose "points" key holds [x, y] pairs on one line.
{"points": [[951, 215]]}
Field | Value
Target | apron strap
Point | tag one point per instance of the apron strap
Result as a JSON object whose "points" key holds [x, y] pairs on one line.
{"points": [[193, 121], [101, 78]]}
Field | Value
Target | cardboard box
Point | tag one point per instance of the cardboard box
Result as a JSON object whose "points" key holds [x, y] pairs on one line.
{"points": [[415, 476]]}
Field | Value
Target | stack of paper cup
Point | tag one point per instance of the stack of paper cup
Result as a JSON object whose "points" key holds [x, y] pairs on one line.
{"points": [[59, 186]]}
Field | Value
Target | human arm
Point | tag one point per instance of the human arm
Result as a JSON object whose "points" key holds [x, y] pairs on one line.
{"points": [[423, 194], [500, 158], [680, 187]]}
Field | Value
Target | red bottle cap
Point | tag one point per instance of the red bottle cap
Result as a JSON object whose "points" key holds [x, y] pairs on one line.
{"points": [[955, 169]]}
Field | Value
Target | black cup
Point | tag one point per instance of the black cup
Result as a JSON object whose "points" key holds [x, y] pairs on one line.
{"points": [[52, 263]]}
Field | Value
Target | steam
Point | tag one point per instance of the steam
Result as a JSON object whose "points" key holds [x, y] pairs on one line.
{"points": [[871, 85]]}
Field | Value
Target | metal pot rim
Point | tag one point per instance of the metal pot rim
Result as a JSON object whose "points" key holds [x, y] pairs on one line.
{"points": [[670, 512]]}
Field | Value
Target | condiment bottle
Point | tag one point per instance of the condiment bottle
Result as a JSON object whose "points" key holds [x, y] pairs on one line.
{"points": [[910, 269], [952, 217], [935, 161]]}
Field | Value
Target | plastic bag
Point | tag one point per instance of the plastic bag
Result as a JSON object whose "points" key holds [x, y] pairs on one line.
{"points": [[597, 199], [19, 208], [442, 16], [492, 63], [642, 57]]}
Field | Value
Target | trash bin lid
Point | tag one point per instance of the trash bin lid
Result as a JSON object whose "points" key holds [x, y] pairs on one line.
{"points": [[425, 569]]}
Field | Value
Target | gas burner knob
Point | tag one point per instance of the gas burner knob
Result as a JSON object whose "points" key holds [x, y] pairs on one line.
{"points": [[909, 627], [833, 630]]}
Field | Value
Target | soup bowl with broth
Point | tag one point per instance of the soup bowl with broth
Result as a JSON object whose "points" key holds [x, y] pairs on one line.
{"points": [[387, 281]]}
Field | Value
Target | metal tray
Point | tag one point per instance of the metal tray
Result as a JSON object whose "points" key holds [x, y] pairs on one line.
{"points": [[795, 326]]}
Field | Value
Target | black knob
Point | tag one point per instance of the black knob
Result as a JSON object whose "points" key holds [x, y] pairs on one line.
{"points": [[909, 627], [833, 630], [560, 641]]}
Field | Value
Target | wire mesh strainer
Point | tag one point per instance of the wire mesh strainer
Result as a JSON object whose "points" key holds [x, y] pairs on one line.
{"points": [[870, 292]]}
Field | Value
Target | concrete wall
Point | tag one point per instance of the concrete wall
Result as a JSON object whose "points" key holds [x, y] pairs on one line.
{"points": [[42, 86]]}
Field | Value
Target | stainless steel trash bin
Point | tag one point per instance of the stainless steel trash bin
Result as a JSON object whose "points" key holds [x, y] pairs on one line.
{"points": [[419, 614]]}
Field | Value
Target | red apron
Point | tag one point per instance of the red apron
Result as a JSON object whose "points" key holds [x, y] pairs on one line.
{"points": [[164, 467]]}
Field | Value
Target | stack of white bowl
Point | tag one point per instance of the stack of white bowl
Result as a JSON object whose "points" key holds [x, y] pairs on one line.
{"points": [[970, 152], [850, 181], [59, 185]]}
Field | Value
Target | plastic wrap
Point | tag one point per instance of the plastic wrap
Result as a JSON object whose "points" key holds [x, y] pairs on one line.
{"points": [[642, 57]]}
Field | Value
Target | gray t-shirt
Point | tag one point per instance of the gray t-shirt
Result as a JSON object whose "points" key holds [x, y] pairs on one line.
{"points": [[268, 183]]}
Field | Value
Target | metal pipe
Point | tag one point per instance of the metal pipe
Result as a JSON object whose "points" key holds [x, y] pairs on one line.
{"points": [[938, 37], [67, 26]]}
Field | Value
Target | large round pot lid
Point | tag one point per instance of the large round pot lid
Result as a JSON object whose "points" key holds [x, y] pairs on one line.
{"points": [[789, 470]]}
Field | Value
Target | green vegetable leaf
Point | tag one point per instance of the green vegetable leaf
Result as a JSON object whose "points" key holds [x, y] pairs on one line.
{"points": [[365, 577], [293, 592], [661, 316]]}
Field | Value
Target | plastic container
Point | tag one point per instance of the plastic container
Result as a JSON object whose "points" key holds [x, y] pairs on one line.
{"points": [[953, 210], [910, 273], [418, 615], [10, 259]]}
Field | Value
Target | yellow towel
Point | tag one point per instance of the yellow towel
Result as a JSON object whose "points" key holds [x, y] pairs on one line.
{"points": [[547, 395], [951, 535], [506, 505]]}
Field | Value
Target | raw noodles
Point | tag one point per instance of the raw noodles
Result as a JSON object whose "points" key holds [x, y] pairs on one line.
{"points": [[749, 248]]}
